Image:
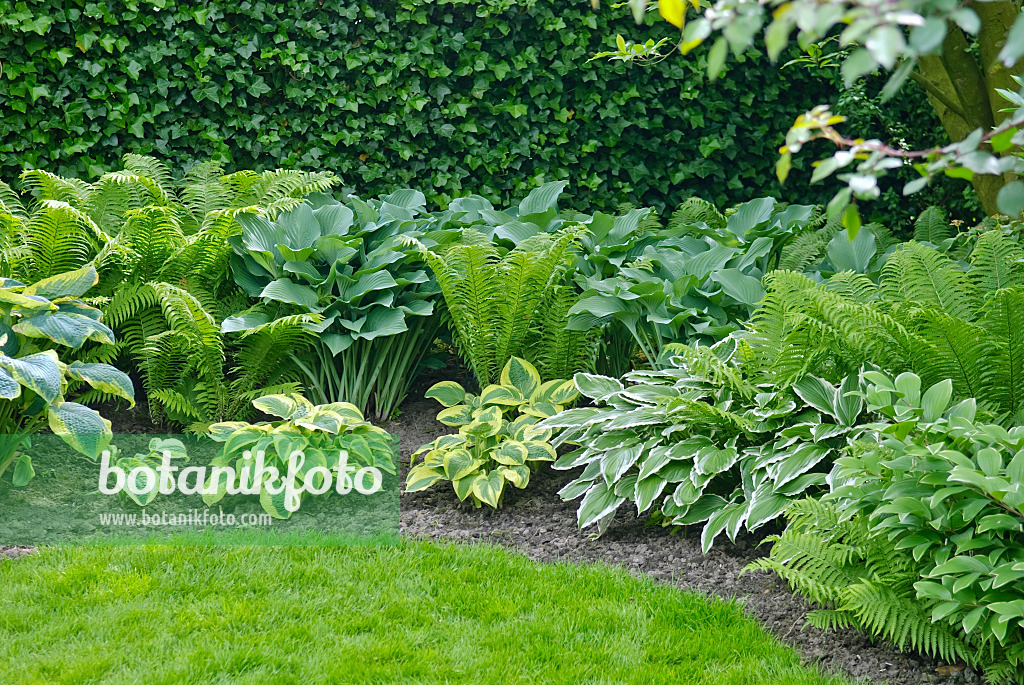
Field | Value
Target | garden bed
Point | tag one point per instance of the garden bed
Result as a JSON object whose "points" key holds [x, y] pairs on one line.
{"points": [[536, 523]]}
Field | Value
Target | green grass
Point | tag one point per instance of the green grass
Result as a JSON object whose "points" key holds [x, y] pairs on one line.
{"points": [[408, 613]]}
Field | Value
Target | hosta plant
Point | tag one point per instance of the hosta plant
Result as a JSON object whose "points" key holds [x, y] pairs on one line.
{"points": [[699, 443], [332, 436], [369, 291], [935, 479], [153, 458], [35, 322], [498, 442]]}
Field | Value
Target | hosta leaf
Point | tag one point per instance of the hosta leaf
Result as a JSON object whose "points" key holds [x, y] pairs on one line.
{"points": [[448, 393], [712, 460], [80, 427], [459, 463], [728, 518], [575, 489], [596, 387], [38, 372], [69, 284], [26, 302], [556, 392], [422, 477], [702, 509], [511, 453], [23, 471], [463, 487], [519, 476], [521, 374], [539, 450], [9, 388], [459, 415], [800, 460], [105, 378], [686, 493], [763, 507], [274, 504], [488, 487], [617, 462], [63, 328], [285, 406], [817, 393], [599, 501], [655, 459], [541, 410], [501, 395], [287, 290], [646, 491]]}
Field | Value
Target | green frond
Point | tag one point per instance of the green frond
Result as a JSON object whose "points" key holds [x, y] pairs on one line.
{"points": [[556, 351], [803, 251], [47, 186], [854, 286], [58, 238], [924, 276], [932, 226], [996, 262], [10, 202], [695, 210], [1003, 370], [151, 168]]}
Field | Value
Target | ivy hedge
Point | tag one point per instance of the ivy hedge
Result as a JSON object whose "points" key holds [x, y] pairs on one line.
{"points": [[491, 97]]}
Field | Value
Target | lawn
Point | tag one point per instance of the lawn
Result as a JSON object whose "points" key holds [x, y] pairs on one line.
{"points": [[407, 613]]}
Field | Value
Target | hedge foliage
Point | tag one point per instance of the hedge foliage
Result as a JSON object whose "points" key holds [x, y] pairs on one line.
{"points": [[492, 97]]}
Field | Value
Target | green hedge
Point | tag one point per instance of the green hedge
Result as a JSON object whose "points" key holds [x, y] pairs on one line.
{"points": [[492, 97]]}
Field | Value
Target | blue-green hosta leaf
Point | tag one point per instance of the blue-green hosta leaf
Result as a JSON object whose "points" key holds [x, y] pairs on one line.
{"points": [[597, 388], [334, 219], [337, 342], [749, 216], [852, 255], [104, 378], [448, 393], [422, 477], [298, 227], [69, 284], [9, 388], [303, 270], [522, 375], [739, 286], [382, 322], [599, 502], [38, 372], [23, 471], [287, 290], [511, 453], [286, 406], [9, 343], [71, 330], [76, 306], [542, 199], [80, 427], [488, 488], [244, 322], [352, 288]]}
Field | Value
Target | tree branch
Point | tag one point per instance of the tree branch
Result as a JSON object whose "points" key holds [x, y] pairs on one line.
{"points": [[937, 93]]}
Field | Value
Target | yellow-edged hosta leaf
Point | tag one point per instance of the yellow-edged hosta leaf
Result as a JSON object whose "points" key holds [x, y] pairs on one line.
{"points": [[464, 486], [540, 451], [422, 477], [9, 388], [63, 328], [519, 476], [459, 415], [348, 411], [505, 395], [323, 420], [24, 301], [286, 406], [274, 504], [448, 393], [104, 378], [542, 409], [80, 427], [486, 422], [556, 392], [224, 430], [38, 372], [245, 437], [510, 453], [488, 487], [673, 11], [522, 375], [68, 284], [459, 463]]}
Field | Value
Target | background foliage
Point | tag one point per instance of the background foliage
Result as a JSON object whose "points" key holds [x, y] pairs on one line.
{"points": [[492, 98]]}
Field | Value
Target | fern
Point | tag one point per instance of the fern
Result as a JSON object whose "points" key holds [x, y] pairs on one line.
{"points": [[695, 211], [556, 351], [996, 263], [1003, 371], [919, 274], [932, 226]]}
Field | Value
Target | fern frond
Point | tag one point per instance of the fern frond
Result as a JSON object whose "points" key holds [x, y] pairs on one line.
{"points": [[696, 210], [924, 276], [932, 226], [996, 262]]}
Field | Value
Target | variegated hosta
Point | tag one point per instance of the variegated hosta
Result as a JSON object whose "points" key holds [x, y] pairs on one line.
{"points": [[699, 443], [33, 379], [153, 459], [321, 433], [498, 441]]}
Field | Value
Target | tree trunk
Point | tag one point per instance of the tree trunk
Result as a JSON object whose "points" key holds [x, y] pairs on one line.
{"points": [[963, 92]]}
